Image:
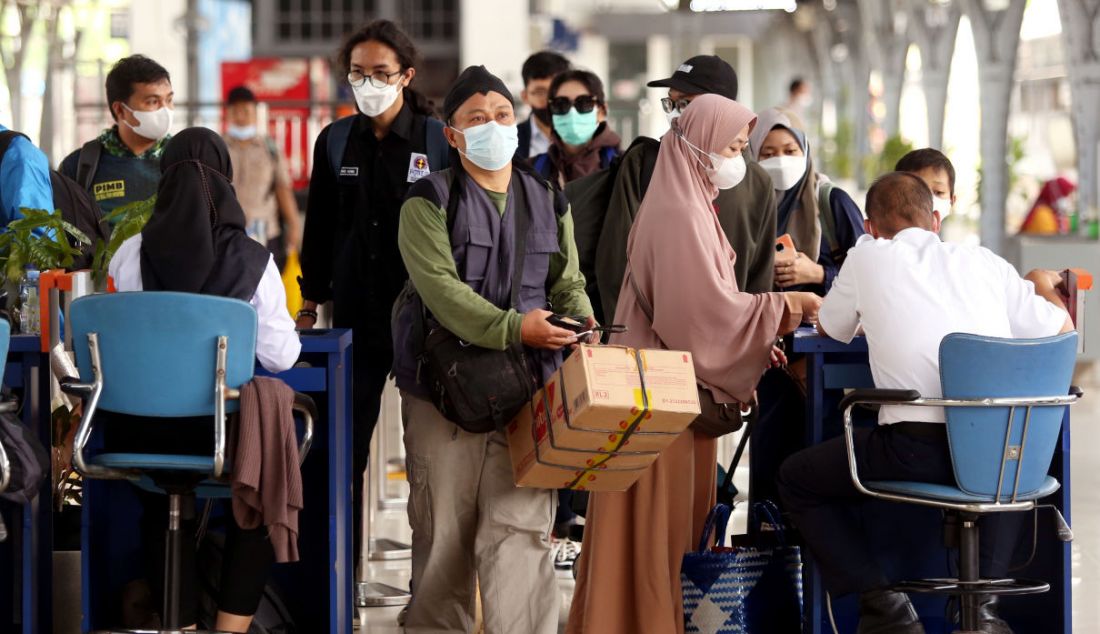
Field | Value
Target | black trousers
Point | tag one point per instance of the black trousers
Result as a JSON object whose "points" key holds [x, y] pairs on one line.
{"points": [[248, 555], [246, 562], [820, 498], [778, 433], [372, 367]]}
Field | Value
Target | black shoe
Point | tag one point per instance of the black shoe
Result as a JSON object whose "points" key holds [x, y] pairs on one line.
{"points": [[887, 612], [988, 620]]}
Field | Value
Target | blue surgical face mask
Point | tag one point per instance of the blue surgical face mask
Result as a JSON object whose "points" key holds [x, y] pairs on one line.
{"points": [[241, 132], [490, 146], [576, 128]]}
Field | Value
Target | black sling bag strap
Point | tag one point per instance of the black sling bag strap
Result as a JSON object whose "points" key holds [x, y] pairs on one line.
{"points": [[480, 389]]}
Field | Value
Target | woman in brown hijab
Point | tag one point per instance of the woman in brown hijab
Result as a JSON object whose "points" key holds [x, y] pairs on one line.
{"points": [[680, 260]]}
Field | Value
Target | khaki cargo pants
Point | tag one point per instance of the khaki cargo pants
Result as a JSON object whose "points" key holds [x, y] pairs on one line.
{"points": [[471, 525]]}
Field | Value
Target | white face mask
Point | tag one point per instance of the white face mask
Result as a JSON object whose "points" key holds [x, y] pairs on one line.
{"points": [[942, 205], [241, 132], [151, 125], [672, 116], [374, 101], [804, 101], [729, 172], [724, 172], [785, 171]]}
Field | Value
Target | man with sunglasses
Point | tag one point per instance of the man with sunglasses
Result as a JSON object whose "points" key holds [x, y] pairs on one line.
{"points": [[746, 212]]}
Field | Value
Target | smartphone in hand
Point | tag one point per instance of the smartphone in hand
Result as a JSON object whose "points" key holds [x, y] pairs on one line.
{"points": [[784, 248]]}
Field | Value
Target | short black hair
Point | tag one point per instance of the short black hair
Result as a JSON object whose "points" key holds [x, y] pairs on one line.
{"points": [[240, 94], [898, 201], [588, 79], [135, 69], [544, 65], [925, 158], [796, 83]]}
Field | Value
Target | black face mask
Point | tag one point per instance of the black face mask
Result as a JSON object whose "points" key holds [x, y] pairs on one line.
{"points": [[543, 115]]}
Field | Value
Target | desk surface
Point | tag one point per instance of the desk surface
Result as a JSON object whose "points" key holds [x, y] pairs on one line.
{"points": [[806, 340]]}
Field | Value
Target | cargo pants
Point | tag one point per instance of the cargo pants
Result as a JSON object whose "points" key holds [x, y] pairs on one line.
{"points": [[471, 525]]}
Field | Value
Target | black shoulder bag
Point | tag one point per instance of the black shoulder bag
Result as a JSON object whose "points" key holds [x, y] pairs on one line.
{"points": [[477, 388]]}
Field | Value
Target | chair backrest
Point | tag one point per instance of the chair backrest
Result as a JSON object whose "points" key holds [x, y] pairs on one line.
{"points": [[975, 367], [158, 350], [5, 343]]}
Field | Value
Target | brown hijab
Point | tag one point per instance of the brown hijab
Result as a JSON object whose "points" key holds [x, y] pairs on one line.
{"points": [[798, 208], [683, 264]]}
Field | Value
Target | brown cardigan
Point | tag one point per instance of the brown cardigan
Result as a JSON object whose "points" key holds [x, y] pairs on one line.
{"points": [[267, 483]]}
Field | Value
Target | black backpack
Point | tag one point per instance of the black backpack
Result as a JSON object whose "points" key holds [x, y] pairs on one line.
{"points": [[589, 198], [77, 206], [28, 460]]}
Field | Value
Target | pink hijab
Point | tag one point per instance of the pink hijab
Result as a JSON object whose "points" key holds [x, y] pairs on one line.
{"points": [[682, 262]]}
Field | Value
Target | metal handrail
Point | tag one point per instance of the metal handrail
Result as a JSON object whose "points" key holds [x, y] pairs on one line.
{"points": [[974, 507]]}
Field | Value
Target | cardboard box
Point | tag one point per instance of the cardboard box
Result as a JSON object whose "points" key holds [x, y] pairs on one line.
{"points": [[594, 416], [536, 464]]}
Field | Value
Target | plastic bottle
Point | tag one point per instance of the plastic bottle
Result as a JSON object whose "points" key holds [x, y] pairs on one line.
{"points": [[29, 322]]}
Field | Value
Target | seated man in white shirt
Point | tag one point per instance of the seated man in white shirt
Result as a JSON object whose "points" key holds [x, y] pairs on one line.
{"points": [[907, 290]]}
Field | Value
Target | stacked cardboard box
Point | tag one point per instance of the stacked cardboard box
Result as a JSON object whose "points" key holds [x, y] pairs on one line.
{"points": [[603, 418]]}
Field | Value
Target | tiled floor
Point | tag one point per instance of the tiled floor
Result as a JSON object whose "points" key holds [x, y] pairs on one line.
{"points": [[1085, 521]]}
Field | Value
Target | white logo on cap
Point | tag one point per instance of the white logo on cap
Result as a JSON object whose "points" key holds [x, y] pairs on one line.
{"points": [[684, 68]]}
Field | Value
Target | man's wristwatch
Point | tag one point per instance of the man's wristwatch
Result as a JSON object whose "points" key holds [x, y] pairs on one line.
{"points": [[305, 312]]}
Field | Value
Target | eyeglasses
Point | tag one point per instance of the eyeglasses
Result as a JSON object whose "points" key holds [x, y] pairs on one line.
{"points": [[584, 104], [668, 105], [378, 79]]}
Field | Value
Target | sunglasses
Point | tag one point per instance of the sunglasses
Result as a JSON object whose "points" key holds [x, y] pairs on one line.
{"points": [[584, 104], [668, 105]]}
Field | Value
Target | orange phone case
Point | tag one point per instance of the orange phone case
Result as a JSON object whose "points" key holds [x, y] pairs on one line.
{"points": [[784, 247]]}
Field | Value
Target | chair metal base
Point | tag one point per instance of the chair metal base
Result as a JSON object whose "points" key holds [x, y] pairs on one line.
{"points": [[385, 549], [955, 587], [370, 594]]}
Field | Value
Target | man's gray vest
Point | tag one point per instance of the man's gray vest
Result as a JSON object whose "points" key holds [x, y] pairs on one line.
{"points": [[483, 244]]}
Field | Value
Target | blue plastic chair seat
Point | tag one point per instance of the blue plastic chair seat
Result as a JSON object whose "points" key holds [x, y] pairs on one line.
{"points": [[155, 462], [952, 494], [207, 489]]}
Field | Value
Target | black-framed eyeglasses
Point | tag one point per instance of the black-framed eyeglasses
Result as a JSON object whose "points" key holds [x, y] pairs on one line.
{"points": [[668, 105], [584, 104], [378, 79]]}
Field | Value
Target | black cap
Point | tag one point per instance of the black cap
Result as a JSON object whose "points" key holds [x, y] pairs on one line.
{"points": [[240, 94], [475, 80], [702, 74]]}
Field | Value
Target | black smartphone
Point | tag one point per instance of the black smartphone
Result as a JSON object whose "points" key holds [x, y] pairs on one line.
{"points": [[572, 324]]}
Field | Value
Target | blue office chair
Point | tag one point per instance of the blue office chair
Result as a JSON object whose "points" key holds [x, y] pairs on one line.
{"points": [[1005, 400], [5, 464], [165, 355]]}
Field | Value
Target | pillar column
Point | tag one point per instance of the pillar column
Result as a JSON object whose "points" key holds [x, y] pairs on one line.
{"points": [[1080, 26], [996, 38], [934, 28]]}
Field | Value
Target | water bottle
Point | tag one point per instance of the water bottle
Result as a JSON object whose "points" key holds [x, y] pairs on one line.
{"points": [[257, 230], [29, 323]]}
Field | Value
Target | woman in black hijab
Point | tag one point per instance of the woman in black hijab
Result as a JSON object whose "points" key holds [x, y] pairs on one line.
{"points": [[195, 242], [186, 250]]}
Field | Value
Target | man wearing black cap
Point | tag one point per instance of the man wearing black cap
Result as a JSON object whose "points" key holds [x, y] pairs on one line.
{"points": [[468, 518], [746, 212]]}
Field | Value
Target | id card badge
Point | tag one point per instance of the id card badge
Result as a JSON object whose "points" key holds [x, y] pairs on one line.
{"points": [[418, 167]]}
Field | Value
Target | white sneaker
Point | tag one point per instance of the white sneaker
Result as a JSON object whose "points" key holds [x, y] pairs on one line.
{"points": [[566, 553]]}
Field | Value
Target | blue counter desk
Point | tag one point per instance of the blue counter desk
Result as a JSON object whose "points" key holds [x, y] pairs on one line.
{"points": [[318, 589], [909, 538], [26, 567]]}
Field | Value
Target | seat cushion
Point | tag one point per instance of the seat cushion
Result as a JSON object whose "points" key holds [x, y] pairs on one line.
{"points": [[155, 462], [207, 489], [952, 494]]}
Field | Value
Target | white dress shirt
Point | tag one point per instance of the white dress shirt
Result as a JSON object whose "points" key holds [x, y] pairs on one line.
{"points": [[910, 292], [277, 343], [540, 143]]}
